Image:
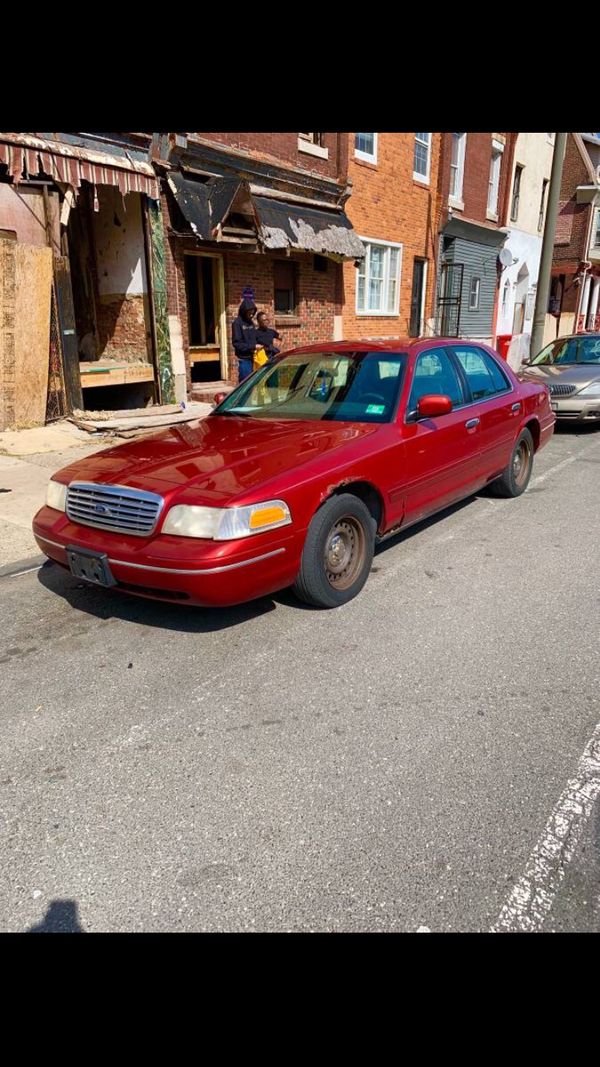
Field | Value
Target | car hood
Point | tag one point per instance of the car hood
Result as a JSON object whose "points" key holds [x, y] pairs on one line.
{"points": [[578, 374], [219, 457]]}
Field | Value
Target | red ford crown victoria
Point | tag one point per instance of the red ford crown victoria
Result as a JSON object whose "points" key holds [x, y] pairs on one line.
{"points": [[295, 475]]}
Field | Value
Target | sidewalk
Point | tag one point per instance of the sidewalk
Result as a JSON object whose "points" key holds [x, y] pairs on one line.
{"points": [[28, 458]]}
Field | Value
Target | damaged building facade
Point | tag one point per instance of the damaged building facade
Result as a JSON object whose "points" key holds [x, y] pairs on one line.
{"points": [[264, 211], [82, 321]]}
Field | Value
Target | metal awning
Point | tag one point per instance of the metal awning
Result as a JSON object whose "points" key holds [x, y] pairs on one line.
{"points": [[284, 225], [205, 205], [277, 224], [27, 157]]}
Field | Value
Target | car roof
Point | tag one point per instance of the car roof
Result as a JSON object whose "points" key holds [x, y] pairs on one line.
{"points": [[570, 336], [388, 344]]}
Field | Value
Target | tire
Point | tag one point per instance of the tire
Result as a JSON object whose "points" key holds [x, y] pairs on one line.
{"points": [[337, 554], [515, 478]]}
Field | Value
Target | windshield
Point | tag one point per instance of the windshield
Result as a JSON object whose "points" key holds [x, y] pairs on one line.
{"points": [[324, 385], [571, 350]]}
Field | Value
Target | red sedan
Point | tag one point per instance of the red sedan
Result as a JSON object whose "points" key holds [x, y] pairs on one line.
{"points": [[293, 478]]}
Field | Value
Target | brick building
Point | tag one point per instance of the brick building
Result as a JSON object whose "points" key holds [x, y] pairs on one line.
{"points": [[77, 241], [575, 290], [258, 210], [394, 209], [474, 186]]}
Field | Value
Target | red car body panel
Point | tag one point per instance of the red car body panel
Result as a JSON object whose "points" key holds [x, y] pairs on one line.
{"points": [[415, 468]]}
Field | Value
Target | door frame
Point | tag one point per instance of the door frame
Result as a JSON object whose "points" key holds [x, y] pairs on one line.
{"points": [[220, 311], [421, 321]]}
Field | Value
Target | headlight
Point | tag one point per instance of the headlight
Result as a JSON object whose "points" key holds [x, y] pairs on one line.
{"points": [[226, 524], [56, 495], [593, 389]]}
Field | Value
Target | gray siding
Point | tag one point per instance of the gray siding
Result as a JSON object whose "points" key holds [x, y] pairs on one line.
{"points": [[479, 261]]}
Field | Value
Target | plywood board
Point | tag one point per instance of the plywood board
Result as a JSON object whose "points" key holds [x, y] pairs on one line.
{"points": [[8, 269], [124, 375], [32, 333]]}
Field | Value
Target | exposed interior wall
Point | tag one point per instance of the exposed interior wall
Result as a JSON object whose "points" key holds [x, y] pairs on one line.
{"points": [[22, 212]]}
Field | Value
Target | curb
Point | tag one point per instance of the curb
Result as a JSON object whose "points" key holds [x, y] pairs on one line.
{"points": [[22, 566]]}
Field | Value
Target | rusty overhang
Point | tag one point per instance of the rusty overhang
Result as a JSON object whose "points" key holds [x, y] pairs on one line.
{"points": [[27, 156], [307, 229]]}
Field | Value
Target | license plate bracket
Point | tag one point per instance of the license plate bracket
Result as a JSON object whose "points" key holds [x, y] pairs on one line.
{"points": [[92, 567]]}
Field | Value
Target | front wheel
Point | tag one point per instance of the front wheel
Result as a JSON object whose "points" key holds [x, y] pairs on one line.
{"points": [[338, 552], [515, 478]]}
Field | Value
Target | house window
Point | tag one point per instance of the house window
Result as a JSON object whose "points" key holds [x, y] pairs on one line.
{"points": [[378, 279], [422, 157], [542, 205], [312, 138], [494, 182], [514, 207], [365, 146], [457, 166], [474, 294], [286, 287]]}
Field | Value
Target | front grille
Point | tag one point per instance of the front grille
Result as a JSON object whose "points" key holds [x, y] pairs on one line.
{"points": [[113, 507], [557, 389]]}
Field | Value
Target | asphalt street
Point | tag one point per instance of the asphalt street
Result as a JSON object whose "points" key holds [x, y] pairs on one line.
{"points": [[423, 758]]}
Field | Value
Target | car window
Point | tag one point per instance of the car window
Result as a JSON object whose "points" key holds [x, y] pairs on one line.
{"points": [[435, 373], [361, 387], [569, 350], [482, 372]]}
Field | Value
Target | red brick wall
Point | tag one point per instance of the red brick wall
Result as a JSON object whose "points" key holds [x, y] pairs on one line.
{"points": [[573, 218], [124, 330], [283, 148], [387, 203], [478, 155]]}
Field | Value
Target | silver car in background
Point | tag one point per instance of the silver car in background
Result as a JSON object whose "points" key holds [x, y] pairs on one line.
{"points": [[570, 367]]}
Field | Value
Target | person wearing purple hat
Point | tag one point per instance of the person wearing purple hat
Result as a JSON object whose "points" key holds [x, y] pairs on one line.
{"points": [[243, 336]]}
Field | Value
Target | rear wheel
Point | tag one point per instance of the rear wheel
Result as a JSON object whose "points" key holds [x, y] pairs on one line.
{"points": [[338, 552], [515, 478]]}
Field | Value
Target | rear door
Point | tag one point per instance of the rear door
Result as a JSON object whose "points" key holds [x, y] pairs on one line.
{"points": [[493, 401], [442, 452]]}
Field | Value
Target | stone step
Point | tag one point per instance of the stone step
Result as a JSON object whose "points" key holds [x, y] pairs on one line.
{"points": [[205, 392]]}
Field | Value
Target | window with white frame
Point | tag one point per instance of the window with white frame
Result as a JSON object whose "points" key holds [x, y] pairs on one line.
{"points": [[422, 157], [457, 166], [378, 279], [494, 182], [474, 289], [365, 146]]}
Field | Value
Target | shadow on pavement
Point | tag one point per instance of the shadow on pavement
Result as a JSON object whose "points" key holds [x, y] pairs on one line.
{"points": [[60, 918]]}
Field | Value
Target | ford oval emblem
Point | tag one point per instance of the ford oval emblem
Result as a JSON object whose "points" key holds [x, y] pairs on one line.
{"points": [[101, 509]]}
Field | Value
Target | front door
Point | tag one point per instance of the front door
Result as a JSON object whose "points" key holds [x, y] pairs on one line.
{"points": [[203, 285], [442, 452], [416, 300]]}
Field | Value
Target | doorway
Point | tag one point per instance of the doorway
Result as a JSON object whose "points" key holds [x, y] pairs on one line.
{"points": [[417, 300], [205, 292]]}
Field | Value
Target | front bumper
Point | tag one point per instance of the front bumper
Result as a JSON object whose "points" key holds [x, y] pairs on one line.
{"points": [[180, 569], [576, 408]]}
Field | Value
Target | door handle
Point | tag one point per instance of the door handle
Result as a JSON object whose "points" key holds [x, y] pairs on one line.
{"points": [[471, 424], [517, 406]]}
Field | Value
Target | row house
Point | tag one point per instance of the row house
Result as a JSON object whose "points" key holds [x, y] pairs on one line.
{"points": [[259, 211], [474, 186], [525, 221], [575, 288], [393, 208], [78, 267]]}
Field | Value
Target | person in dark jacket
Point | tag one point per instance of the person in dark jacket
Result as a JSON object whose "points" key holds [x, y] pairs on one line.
{"points": [[265, 335], [243, 336]]}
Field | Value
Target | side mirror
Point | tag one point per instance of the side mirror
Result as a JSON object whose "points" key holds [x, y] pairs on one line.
{"points": [[219, 398], [433, 404]]}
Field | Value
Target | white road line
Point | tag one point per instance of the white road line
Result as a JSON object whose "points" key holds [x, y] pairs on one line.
{"points": [[532, 897], [28, 571], [565, 462]]}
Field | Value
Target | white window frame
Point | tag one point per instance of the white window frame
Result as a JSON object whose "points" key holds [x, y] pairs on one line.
{"points": [[312, 148], [455, 199], [494, 180], [366, 313], [368, 157], [474, 278], [423, 178]]}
